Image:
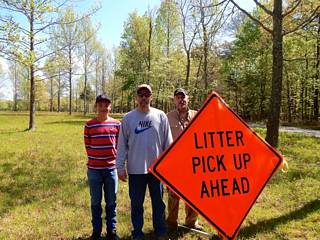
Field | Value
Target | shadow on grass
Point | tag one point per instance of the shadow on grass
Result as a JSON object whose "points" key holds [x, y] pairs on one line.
{"points": [[27, 186], [6, 131], [148, 236], [271, 224], [76, 122]]}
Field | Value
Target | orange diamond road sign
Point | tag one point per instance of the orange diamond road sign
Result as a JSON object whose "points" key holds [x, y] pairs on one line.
{"points": [[218, 165]]}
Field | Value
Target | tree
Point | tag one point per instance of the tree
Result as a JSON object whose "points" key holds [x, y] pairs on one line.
{"points": [[189, 30], [210, 17], [167, 34], [15, 83], [89, 46], [246, 70], [277, 32], [133, 54], [22, 42], [167, 25], [317, 75], [25, 42], [68, 38], [87, 95]]}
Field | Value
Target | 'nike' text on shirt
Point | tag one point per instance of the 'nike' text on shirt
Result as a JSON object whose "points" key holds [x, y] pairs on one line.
{"points": [[143, 126]]}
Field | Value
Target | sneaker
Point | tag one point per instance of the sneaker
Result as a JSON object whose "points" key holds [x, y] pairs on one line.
{"points": [[196, 226], [95, 236], [137, 238], [172, 227], [112, 236], [163, 238]]}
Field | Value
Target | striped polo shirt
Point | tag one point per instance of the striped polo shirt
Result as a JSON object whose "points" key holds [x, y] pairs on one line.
{"points": [[100, 139]]}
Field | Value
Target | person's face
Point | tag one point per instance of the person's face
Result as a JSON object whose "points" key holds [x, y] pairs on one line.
{"points": [[181, 101], [103, 107], [144, 98]]}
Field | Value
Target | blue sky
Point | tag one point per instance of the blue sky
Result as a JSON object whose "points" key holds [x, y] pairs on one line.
{"points": [[111, 16]]}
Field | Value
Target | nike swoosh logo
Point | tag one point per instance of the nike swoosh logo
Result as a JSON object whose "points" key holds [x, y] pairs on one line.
{"points": [[140, 130]]}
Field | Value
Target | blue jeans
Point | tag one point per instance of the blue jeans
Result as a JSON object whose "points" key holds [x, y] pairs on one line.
{"points": [[106, 179], [137, 189]]}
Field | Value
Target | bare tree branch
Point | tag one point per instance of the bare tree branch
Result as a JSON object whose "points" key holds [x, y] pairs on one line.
{"points": [[290, 10], [220, 20], [251, 17], [51, 76], [215, 5], [48, 54], [14, 8], [269, 12], [11, 57], [312, 16], [66, 23]]}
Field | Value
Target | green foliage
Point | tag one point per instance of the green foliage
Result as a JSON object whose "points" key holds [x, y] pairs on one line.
{"points": [[5, 104], [89, 94], [300, 74], [247, 72], [167, 27]]}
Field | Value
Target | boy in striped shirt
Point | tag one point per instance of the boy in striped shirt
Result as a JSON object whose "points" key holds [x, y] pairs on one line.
{"points": [[101, 138]]}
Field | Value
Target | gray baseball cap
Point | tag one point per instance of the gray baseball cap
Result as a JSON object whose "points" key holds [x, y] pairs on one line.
{"points": [[103, 97], [144, 86], [180, 91]]}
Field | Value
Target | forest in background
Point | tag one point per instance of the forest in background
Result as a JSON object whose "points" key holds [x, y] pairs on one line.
{"points": [[265, 64]]}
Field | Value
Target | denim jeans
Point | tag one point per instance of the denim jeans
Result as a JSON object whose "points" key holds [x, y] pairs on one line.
{"points": [[137, 189], [106, 180]]}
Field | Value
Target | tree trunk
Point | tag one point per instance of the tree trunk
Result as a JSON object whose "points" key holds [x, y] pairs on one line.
{"points": [[59, 91], [187, 68], [158, 93], [149, 50], [205, 56], [70, 81], [32, 80], [168, 35], [302, 100], [121, 102], [97, 75], [113, 91], [15, 85], [262, 97], [317, 78], [85, 80], [103, 76], [289, 102], [306, 100], [51, 94], [277, 67]]}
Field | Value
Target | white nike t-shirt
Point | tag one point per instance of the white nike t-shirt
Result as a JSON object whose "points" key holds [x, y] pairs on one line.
{"points": [[142, 138]]}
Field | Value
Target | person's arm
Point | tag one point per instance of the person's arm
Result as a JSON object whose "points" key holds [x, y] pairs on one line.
{"points": [[117, 138], [167, 136], [87, 139], [122, 152]]}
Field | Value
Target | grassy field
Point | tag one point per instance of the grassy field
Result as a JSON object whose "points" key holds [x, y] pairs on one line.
{"points": [[44, 192]]}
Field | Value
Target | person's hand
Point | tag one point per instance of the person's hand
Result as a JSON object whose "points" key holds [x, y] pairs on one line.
{"points": [[122, 175]]}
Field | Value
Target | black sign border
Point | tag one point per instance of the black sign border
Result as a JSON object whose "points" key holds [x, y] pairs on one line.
{"points": [[214, 95]]}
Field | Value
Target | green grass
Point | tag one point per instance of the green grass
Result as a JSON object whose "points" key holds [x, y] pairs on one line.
{"points": [[44, 192]]}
